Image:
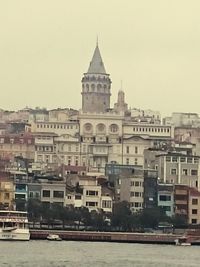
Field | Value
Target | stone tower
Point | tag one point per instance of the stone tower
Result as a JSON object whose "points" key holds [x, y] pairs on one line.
{"points": [[96, 86], [120, 105]]}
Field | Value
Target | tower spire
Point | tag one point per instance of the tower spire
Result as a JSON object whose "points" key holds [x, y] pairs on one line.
{"points": [[96, 65], [97, 42]]}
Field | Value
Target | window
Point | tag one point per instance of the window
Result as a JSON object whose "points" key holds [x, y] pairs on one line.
{"points": [[127, 150], [77, 197], [194, 221], [173, 171], [137, 183], [136, 161], [168, 159], [91, 204], [58, 194], [167, 208], [31, 194], [194, 201], [69, 160], [20, 196], [127, 161], [46, 193], [183, 159], [189, 160], [174, 159], [196, 160], [165, 198], [91, 193], [136, 150], [113, 128], [185, 172], [6, 195], [136, 194], [194, 172], [106, 204], [137, 204], [194, 211]]}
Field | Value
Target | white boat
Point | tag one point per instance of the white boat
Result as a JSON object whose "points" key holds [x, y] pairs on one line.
{"points": [[182, 241], [53, 237], [14, 225]]}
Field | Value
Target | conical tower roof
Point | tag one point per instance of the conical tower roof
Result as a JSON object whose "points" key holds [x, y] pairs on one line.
{"points": [[96, 65]]}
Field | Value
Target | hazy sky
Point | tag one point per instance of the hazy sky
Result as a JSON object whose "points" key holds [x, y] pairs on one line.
{"points": [[152, 45]]}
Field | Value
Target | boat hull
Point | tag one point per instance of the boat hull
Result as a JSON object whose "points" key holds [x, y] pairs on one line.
{"points": [[14, 235]]}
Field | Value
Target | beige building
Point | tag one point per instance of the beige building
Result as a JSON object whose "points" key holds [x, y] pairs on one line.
{"points": [[53, 193], [133, 150], [101, 138], [194, 207], [132, 189], [45, 149], [12, 145], [7, 191], [177, 168], [68, 150], [92, 196]]}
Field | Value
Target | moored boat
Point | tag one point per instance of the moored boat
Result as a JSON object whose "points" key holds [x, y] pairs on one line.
{"points": [[182, 241], [14, 225], [53, 237]]}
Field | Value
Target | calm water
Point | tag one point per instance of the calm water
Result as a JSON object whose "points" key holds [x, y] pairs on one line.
{"points": [[67, 253]]}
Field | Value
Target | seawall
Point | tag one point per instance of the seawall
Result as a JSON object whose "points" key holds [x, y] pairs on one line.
{"points": [[150, 238]]}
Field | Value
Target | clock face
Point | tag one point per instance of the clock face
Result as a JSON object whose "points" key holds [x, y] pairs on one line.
{"points": [[101, 127], [88, 127]]}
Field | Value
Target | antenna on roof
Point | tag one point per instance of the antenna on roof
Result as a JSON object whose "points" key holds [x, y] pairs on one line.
{"points": [[97, 42]]}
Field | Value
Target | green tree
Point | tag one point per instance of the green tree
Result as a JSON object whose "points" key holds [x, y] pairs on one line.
{"points": [[34, 208], [121, 215], [150, 217], [179, 221]]}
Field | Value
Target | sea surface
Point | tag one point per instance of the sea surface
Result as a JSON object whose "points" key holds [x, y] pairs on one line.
{"points": [[69, 253]]}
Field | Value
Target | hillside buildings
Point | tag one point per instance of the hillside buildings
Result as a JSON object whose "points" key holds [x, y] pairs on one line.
{"points": [[145, 159]]}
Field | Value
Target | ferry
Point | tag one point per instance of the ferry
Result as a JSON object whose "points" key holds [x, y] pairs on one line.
{"points": [[14, 225]]}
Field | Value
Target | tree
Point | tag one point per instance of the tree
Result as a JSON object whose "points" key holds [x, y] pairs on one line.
{"points": [[34, 210], [121, 215], [179, 220], [98, 220], [150, 217]]}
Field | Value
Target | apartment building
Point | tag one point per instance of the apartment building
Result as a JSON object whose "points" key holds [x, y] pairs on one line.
{"points": [[132, 189], [92, 195], [6, 190], [21, 144], [179, 169], [166, 198], [181, 200], [194, 207], [53, 192]]}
